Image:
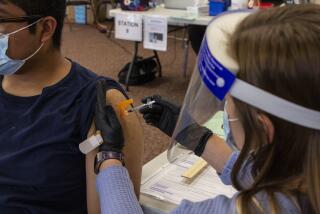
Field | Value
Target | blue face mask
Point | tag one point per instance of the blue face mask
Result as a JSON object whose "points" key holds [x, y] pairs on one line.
{"points": [[10, 66], [227, 131]]}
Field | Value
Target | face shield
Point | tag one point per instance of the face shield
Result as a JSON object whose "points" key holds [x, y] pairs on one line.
{"points": [[214, 82]]}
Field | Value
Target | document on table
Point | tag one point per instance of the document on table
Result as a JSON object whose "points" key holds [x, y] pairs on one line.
{"points": [[168, 185]]}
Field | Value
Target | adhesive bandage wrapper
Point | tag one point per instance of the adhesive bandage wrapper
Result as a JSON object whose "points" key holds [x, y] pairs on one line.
{"points": [[195, 169]]}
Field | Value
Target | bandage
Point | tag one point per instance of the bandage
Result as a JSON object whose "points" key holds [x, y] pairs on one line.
{"points": [[91, 143]]}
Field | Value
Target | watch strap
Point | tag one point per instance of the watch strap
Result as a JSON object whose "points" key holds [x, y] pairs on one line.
{"points": [[106, 155]]}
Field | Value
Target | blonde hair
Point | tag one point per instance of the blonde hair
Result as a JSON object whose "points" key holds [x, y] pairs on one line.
{"points": [[278, 50]]}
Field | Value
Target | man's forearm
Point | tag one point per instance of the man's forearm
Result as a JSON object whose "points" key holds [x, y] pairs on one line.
{"points": [[133, 136]]}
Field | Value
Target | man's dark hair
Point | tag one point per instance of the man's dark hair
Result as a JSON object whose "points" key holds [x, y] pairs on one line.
{"points": [[54, 8]]}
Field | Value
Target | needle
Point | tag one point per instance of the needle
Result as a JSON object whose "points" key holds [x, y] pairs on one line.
{"points": [[148, 104]]}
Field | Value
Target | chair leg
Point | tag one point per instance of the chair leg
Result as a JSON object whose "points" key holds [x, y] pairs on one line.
{"points": [[68, 22], [111, 29], [94, 12], [70, 25]]}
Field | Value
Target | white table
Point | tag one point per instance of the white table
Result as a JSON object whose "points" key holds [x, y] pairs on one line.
{"points": [[149, 204], [171, 15]]}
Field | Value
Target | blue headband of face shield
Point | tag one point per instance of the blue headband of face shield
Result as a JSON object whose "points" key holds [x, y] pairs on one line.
{"points": [[10, 66]]}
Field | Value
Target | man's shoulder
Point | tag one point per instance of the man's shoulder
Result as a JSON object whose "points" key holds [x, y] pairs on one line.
{"points": [[83, 72], [87, 77]]}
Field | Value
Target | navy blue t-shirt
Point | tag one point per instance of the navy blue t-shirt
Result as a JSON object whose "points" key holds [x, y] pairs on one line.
{"points": [[41, 167]]}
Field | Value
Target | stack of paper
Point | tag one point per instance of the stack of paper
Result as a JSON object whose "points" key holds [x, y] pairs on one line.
{"points": [[167, 183]]}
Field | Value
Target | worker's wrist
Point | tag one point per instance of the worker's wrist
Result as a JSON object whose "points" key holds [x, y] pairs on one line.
{"points": [[110, 163], [203, 142]]}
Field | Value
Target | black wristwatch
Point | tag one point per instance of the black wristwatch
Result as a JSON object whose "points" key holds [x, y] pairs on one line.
{"points": [[104, 155]]}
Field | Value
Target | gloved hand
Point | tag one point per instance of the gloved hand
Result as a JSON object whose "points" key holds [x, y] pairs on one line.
{"points": [[194, 137], [163, 114], [107, 123]]}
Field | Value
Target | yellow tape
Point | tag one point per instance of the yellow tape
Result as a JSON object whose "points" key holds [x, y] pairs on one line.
{"points": [[123, 106]]}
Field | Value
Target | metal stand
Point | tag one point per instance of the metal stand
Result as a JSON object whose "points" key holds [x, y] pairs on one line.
{"points": [[158, 62], [186, 43], [135, 57], [185, 46]]}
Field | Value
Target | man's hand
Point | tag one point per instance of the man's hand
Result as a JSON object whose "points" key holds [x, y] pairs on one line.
{"points": [[163, 114], [107, 123]]}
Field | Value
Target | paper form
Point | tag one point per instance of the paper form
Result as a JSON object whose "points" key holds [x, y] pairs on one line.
{"points": [[167, 183], [155, 33]]}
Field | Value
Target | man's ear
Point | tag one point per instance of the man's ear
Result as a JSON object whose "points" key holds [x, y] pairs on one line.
{"points": [[48, 28], [268, 126]]}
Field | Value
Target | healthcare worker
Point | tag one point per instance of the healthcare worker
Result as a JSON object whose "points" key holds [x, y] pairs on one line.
{"points": [[262, 70]]}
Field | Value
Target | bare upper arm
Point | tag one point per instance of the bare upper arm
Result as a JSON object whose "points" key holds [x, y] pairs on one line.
{"points": [[93, 204], [133, 136], [133, 152]]}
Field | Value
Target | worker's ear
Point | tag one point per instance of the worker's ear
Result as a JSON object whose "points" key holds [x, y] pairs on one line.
{"points": [[268, 126]]}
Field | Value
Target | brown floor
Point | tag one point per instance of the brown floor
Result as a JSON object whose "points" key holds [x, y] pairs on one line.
{"points": [[95, 51]]}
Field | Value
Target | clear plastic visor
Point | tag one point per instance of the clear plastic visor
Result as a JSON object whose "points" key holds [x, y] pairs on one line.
{"points": [[200, 107]]}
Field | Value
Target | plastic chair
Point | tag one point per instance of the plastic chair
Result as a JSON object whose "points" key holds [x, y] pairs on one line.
{"points": [[102, 27]]}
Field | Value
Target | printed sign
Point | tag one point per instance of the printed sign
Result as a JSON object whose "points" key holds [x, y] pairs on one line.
{"points": [[155, 33], [128, 27]]}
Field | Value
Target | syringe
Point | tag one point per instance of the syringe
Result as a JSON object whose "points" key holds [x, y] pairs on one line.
{"points": [[148, 104]]}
